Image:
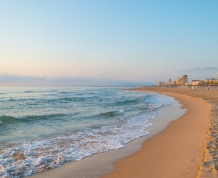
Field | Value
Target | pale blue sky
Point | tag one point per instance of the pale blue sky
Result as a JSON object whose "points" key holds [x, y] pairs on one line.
{"points": [[132, 41]]}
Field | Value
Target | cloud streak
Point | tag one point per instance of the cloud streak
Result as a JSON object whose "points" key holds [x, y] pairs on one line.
{"points": [[7, 79], [211, 68]]}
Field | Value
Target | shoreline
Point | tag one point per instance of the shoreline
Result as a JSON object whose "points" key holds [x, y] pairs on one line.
{"points": [[100, 164], [178, 151], [201, 163]]}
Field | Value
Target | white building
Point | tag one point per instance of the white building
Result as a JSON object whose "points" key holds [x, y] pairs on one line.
{"points": [[196, 82]]}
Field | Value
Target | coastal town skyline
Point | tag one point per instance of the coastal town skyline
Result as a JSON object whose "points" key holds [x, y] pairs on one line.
{"points": [[184, 81]]}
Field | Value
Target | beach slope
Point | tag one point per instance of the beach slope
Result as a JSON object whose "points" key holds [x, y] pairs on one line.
{"points": [[175, 152]]}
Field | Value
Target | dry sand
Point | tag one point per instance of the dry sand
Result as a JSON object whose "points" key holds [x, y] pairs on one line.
{"points": [[178, 151], [209, 168]]}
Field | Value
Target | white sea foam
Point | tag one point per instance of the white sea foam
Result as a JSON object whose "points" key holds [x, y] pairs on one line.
{"points": [[157, 100], [121, 111], [50, 153]]}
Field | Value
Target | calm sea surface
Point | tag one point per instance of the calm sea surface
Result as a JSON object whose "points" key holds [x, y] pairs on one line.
{"points": [[42, 128]]}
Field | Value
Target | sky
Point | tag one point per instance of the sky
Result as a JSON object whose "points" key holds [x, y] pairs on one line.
{"points": [[106, 42]]}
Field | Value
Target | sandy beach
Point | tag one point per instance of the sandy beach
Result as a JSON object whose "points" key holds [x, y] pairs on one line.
{"points": [[178, 151], [209, 165], [186, 148]]}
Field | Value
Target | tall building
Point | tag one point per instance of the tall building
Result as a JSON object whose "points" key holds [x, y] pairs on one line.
{"points": [[170, 81], [217, 75], [178, 80], [159, 83], [184, 79]]}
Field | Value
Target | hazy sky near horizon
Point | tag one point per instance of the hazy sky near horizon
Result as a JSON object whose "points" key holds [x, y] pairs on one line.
{"points": [[123, 40]]}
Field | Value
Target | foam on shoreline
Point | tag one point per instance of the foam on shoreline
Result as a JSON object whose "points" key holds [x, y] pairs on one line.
{"points": [[176, 152], [100, 164]]}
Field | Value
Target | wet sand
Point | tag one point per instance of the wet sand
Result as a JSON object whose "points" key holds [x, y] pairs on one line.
{"points": [[178, 151]]}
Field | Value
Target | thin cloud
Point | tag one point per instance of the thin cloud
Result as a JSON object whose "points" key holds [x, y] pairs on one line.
{"points": [[7, 79], [204, 69]]}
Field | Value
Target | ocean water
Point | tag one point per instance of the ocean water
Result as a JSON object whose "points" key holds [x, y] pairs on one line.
{"points": [[43, 128]]}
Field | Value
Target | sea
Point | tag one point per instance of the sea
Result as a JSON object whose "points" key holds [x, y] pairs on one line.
{"points": [[43, 128]]}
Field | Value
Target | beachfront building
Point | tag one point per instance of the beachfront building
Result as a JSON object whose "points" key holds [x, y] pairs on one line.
{"points": [[178, 80], [197, 82], [159, 83], [217, 75], [210, 80], [184, 79], [169, 81]]}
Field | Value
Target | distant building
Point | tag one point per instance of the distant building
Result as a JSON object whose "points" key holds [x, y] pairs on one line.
{"points": [[170, 81], [178, 80], [159, 83], [210, 80], [184, 79], [217, 75], [196, 82]]}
